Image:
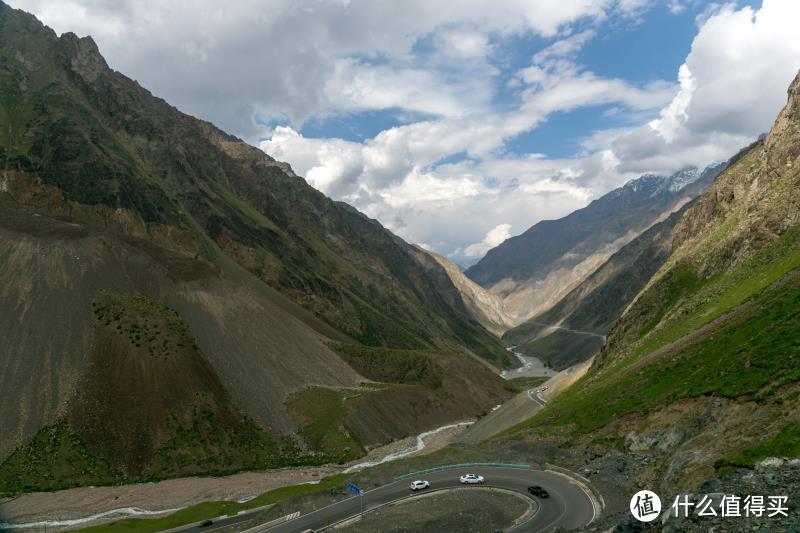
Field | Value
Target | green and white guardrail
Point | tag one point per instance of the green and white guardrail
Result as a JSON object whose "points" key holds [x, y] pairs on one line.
{"points": [[462, 465]]}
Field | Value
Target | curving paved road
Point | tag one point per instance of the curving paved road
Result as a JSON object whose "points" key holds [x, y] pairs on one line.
{"points": [[568, 507], [533, 394]]}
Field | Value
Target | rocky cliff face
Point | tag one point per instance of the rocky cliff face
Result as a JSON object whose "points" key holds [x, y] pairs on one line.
{"points": [[757, 199], [485, 306], [748, 208], [533, 271]]}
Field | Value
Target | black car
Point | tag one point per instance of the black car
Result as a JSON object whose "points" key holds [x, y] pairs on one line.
{"points": [[536, 490], [206, 523]]}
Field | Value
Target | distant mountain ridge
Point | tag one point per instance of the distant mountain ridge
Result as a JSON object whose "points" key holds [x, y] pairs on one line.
{"points": [[574, 329], [533, 271], [653, 184]]}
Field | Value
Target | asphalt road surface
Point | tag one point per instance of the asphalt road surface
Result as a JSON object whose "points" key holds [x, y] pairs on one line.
{"points": [[568, 506], [533, 394]]}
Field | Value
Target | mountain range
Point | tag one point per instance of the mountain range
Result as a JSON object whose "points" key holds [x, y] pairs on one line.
{"points": [[532, 271], [575, 327], [175, 301]]}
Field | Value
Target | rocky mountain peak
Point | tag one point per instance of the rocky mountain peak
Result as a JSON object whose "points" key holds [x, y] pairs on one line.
{"points": [[654, 184], [84, 56], [786, 125], [794, 88]]}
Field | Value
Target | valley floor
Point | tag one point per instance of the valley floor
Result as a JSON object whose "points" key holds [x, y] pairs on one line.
{"points": [[182, 492], [531, 367]]}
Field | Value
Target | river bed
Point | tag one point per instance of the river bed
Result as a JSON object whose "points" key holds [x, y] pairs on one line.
{"points": [[531, 367], [58, 511]]}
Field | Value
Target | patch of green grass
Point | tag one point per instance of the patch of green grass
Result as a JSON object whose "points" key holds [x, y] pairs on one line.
{"points": [[785, 443], [391, 365], [713, 297], [750, 356], [319, 413], [217, 448], [284, 493], [137, 303], [528, 382], [207, 510], [144, 322], [195, 513], [55, 459]]}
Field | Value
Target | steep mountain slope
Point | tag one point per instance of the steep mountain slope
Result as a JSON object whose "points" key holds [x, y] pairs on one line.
{"points": [[534, 270], [167, 289], [702, 370], [486, 307], [63, 357], [152, 171]]}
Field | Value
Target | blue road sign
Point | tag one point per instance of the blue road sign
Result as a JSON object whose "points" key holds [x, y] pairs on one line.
{"points": [[355, 490]]}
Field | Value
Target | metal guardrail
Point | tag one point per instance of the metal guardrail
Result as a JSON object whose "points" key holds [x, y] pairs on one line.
{"points": [[462, 465]]}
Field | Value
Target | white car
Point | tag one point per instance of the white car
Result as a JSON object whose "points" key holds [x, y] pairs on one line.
{"points": [[470, 479], [419, 484]]}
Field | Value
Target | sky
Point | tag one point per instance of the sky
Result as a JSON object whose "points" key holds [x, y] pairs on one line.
{"points": [[458, 124]]}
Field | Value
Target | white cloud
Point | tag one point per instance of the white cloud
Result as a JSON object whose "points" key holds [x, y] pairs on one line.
{"points": [[634, 5], [444, 205], [732, 85], [727, 94], [356, 86], [563, 91], [494, 237], [676, 7], [447, 179], [398, 176], [300, 59], [742, 62], [555, 82], [464, 44]]}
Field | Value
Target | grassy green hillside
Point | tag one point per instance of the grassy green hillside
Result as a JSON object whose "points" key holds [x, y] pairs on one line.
{"points": [[394, 366], [720, 320], [420, 389], [751, 350]]}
